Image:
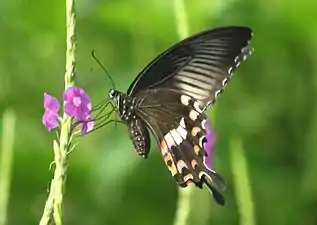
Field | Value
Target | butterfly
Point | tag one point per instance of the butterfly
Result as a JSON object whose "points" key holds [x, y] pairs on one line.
{"points": [[169, 98]]}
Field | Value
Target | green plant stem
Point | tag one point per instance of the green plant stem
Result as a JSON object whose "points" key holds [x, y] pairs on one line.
{"points": [[8, 136], [181, 19], [184, 194], [54, 201], [183, 205], [48, 208], [241, 182]]}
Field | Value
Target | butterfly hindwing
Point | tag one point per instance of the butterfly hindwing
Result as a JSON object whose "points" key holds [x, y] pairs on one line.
{"points": [[179, 128]]}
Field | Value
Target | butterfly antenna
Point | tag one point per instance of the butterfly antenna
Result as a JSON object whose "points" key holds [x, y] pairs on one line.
{"points": [[103, 67]]}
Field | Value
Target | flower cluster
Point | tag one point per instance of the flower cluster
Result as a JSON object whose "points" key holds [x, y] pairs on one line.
{"points": [[76, 105]]}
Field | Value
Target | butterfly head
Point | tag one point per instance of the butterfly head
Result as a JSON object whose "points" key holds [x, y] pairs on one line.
{"points": [[123, 103], [113, 94]]}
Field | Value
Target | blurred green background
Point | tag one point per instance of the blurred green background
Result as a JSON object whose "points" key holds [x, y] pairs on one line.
{"points": [[269, 105]]}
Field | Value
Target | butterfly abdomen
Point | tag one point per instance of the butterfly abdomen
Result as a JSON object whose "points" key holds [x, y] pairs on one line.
{"points": [[140, 137]]}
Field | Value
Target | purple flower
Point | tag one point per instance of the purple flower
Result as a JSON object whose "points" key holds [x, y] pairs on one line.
{"points": [[77, 103], [50, 120], [209, 145], [50, 116], [87, 125], [51, 103]]}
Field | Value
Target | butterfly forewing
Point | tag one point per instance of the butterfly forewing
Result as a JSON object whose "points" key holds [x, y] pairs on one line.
{"points": [[199, 66]]}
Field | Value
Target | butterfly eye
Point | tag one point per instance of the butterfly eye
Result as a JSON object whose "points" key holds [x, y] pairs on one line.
{"points": [[112, 93]]}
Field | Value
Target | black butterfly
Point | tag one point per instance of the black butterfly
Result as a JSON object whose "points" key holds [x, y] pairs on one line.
{"points": [[169, 98]]}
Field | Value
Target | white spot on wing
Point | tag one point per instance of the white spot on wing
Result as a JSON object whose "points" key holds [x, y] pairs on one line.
{"points": [[185, 99], [196, 106], [224, 82], [182, 123], [203, 124], [202, 173], [230, 70], [217, 93], [201, 139], [169, 140], [193, 115], [180, 165], [176, 136]]}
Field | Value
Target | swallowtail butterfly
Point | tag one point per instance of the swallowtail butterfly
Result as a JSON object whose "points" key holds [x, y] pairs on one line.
{"points": [[169, 98]]}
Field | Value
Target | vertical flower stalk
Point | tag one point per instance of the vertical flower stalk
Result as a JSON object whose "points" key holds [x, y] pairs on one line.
{"points": [[54, 202], [181, 19], [77, 108], [7, 141], [241, 182]]}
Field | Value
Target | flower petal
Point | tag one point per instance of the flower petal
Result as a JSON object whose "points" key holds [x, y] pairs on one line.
{"points": [[87, 127], [83, 111], [209, 145], [50, 103], [50, 120], [70, 109], [84, 96], [69, 94]]}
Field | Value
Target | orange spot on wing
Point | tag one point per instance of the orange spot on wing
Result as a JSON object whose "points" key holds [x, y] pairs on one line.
{"points": [[189, 182], [197, 149], [163, 147], [170, 163], [195, 131], [188, 177], [194, 163]]}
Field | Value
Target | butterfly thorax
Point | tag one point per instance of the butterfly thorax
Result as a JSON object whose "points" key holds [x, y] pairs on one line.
{"points": [[138, 133], [124, 104]]}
